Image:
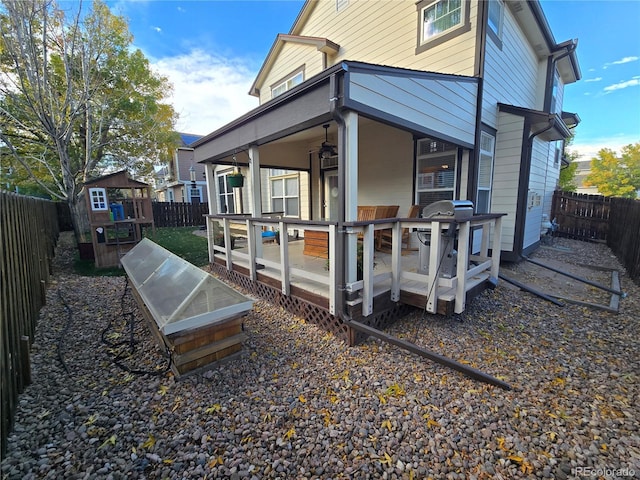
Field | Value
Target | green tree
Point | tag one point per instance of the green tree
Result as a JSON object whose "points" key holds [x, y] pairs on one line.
{"points": [[616, 176], [567, 179], [75, 99]]}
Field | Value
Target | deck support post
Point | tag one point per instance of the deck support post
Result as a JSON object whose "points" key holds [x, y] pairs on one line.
{"points": [[256, 193], [367, 270], [396, 261]]}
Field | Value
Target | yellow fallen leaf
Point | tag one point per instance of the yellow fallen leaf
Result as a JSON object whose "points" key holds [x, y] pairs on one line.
{"points": [[163, 389], [432, 423], [387, 424], [552, 435], [382, 399], [290, 433], [500, 441], [111, 440], [515, 458], [167, 461], [302, 399], [151, 441], [213, 408]]}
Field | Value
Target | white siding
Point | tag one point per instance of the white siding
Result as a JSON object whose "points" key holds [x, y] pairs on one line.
{"points": [[506, 174], [443, 106], [537, 183], [512, 75]]}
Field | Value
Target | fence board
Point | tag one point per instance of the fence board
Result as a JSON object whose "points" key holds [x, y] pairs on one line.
{"points": [[581, 216], [28, 234], [179, 214], [624, 234]]}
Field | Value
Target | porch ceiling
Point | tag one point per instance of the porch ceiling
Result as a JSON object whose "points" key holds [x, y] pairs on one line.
{"points": [[427, 104]]}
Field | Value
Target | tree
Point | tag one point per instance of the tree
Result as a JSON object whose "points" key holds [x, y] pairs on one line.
{"points": [[567, 179], [75, 98], [616, 176]]}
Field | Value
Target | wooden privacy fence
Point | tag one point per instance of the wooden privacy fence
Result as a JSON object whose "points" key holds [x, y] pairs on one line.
{"points": [[624, 234], [613, 220], [178, 214], [28, 235], [581, 216]]}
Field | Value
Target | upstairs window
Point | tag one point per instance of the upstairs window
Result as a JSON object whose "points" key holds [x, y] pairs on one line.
{"points": [[441, 20], [440, 17], [280, 87], [555, 106], [496, 8]]}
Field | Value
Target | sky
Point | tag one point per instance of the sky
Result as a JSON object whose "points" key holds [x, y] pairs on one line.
{"points": [[211, 51]]}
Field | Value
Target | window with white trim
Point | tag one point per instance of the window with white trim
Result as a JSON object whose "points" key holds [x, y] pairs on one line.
{"points": [[435, 171], [285, 194], [496, 8], [226, 197], [195, 194], [555, 106], [287, 84], [440, 17], [485, 172], [98, 198]]}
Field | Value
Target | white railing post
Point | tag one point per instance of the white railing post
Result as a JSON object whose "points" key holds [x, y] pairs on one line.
{"points": [[227, 242], [284, 258], [434, 268], [332, 271], [463, 263], [495, 247], [396, 260], [367, 270], [251, 247]]}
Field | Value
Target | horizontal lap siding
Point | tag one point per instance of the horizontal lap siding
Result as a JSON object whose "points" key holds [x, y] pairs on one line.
{"points": [[506, 173], [511, 74], [291, 57], [447, 107]]}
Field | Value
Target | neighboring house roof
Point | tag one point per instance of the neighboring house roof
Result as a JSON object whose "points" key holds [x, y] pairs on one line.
{"points": [[322, 45], [188, 138]]}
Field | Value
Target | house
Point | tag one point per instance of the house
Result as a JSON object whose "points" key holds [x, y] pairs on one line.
{"points": [[402, 104], [182, 180]]}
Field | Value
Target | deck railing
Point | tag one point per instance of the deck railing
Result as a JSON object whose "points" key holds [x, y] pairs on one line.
{"points": [[478, 256]]}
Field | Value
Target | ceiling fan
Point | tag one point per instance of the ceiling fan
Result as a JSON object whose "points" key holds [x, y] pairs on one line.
{"points": [[327, 150]]}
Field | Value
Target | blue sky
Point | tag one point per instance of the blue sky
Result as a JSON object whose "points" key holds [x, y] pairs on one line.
{"points": [[212, 50]]}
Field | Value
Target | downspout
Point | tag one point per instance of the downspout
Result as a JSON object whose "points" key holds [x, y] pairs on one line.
{"points": [[340, 240], [523, 204]]}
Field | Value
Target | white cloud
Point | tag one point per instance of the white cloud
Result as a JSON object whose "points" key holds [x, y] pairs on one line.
{"points": [[181, 10], [587, 149], [597, 79], [634, 82], [621, 61], [157, 29], [209, 91]]}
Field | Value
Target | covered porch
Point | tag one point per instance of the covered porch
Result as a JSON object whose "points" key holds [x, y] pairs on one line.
{"points": [[360, 134]]}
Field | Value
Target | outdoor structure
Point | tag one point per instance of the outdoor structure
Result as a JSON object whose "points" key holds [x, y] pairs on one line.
{"points": [[465, 106], [197, 317], [182, 180], [119, 208]]}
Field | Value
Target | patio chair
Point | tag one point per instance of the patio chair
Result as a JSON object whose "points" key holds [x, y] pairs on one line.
{"points": [[405, 239], [384, 211]]}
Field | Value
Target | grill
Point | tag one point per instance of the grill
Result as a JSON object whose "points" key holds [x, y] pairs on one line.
{"points": [[458, 210]]}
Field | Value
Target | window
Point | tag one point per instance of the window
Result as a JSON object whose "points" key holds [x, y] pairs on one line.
{"points": [[287, 84], [195, 195], [555, 106], [436, 171], [496, 8], [341, 4], [440, 17], [285, 195], [440, 21], [98, 198], [226, 198], [485, 173], [558, 152]]}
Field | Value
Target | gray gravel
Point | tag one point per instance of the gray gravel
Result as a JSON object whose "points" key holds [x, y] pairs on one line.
{"points": [[299, 404]]}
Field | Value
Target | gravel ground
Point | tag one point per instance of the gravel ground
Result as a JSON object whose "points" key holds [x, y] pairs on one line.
{"points": [[299, 404]]}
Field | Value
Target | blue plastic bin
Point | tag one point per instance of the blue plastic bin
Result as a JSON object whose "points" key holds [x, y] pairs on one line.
{"points": [[118, 211]]}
